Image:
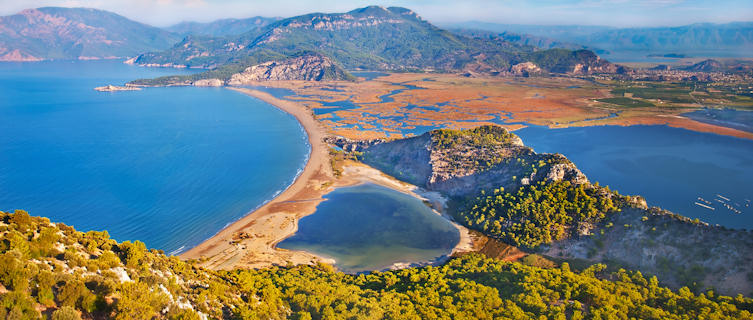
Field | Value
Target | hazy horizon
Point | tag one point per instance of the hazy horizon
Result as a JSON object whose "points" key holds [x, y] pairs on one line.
{"points": [[613, 13]]}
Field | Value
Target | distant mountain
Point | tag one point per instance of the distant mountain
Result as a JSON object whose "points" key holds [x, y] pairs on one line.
{"points": [[730, 39], [373, 38], [703, 37], [521, 39], [76, 33], [723, 65], [708, 65], [219, 28], [562, 33]]}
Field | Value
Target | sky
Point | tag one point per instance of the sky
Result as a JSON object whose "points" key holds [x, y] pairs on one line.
{"points": [[619, 13]]}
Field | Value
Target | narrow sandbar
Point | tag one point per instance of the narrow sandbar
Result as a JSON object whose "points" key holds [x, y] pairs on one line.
{"points": [[250, 241]]}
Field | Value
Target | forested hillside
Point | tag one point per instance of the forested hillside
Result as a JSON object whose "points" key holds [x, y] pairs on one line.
{"points": [[543, 203], [370, 38], [51, 270]]}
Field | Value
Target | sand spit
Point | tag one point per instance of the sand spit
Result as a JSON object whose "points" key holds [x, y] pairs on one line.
{"points": [[251, 241]]}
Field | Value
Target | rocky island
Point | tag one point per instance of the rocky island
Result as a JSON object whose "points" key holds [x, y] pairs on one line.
{"points": [[110, 88]]}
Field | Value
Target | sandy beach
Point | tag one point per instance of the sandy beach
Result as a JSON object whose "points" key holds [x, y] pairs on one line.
{"points": [[250, 242]]}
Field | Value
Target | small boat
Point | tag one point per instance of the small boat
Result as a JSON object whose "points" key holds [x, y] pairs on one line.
{"points": [[705, 206], [723, 197], [704, 200]]}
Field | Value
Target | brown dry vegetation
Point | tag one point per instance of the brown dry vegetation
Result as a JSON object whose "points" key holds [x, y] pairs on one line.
{"points": [[466, 102]]}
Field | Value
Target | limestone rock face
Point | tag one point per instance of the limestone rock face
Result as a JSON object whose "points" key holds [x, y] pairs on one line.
{"points": [[590, 63], [565, 171], [209, 83], [310, 67], [525, 68]]}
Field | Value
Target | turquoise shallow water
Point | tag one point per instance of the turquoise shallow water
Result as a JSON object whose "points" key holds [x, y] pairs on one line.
{"points": [[167, 166], [370, 227]]}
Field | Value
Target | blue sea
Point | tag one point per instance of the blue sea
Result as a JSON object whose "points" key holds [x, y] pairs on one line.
{"points": [[671, 167], [168, 166]]}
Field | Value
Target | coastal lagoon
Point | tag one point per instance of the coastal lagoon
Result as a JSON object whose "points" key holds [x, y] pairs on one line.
{"points": [[167, 166], [670, 167], [369, 227]]}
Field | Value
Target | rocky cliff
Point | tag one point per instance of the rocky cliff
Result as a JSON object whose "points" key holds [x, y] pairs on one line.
{"points": [[579, 62], [309, 67], [465, 162]]}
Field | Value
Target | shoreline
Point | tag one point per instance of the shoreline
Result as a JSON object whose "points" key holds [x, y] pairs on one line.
{"points": [[251, 241], [243, 239]]}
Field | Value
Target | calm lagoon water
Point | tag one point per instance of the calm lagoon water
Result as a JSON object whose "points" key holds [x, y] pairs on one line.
{"points": [[737, 119], [369, 227], [167, 166], [670, 167]]}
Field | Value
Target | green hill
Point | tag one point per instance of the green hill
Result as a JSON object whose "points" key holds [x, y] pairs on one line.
{"points": [[222, 27], [373, 38], [51, 270]]}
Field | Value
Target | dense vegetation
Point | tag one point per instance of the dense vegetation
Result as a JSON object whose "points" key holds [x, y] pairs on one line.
{"points": [[68, 274], [222, 27], [540, 213], [479, 137], [489, 146]]}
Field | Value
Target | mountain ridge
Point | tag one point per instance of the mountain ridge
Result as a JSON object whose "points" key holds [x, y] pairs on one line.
{"points": [[370, 38], [735, 37], [76, 33], [221, 27]]}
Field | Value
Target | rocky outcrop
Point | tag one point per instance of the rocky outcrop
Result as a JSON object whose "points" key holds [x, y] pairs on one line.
{"points": [[590, 63], [465, 162], [578, 62], [525, 69], [214, 82], [309, 67], [350, 145], [110, 87]]}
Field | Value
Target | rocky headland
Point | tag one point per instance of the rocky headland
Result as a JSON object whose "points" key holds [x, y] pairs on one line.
{"points": [[308, 67], [484, 158]]}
